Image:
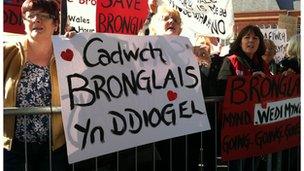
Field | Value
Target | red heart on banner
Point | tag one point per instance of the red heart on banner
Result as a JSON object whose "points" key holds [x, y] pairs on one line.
{"points": [[67, 55], [171, 95]]}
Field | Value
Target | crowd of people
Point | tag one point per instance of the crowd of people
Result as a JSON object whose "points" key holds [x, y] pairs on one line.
{"points": [[30, 80]]}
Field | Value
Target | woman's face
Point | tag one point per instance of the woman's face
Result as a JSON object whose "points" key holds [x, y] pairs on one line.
{"points": [[269, 53], [171, 25], [39, 25], [250, 44], [202, 42]]}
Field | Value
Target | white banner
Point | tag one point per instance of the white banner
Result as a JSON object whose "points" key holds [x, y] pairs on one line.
{"points": [[206, 17], [82, 15], [277, 111], [279, 38], [122, 91]]}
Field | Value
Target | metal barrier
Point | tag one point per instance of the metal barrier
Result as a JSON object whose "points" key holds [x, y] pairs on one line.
{"points": [[155, 157]]}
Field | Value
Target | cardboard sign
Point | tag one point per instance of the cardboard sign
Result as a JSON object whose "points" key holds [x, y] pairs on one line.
{"points": [[208, 17], [279, 38], [12, 18], [121, 91], [290, 23], [260, 116], [121, 16]]}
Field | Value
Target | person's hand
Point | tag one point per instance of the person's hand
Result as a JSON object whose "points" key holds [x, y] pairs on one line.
{"points": [[70, 34], [152, 4], [288, 72], [259, 73]]}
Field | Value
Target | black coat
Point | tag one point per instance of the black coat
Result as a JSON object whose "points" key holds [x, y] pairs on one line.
{"points": [[209, 80], [291, 63]]}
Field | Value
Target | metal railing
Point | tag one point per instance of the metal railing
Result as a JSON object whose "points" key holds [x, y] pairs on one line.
{"points": [[148, 156]]}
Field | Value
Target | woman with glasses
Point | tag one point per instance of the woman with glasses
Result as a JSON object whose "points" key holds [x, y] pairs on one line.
{"points": [[166, 21], [30, 80]]}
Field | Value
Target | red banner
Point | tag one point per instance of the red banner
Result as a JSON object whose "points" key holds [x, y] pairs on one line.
{"points": [[121, 16], [12, 18], [260, 116]]}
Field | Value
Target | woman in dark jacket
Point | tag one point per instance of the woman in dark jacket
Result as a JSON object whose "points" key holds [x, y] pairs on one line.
{"points": [[245, 56], [291, 63]]}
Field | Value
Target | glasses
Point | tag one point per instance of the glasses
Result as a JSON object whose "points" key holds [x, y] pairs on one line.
{"points": [[42, 16]]}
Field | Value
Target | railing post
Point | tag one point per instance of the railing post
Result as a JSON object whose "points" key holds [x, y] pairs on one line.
{"points": [[117, 161], [171, 158], [154, 153], [186, 153], [50, 139], [135, 159], [253, 163], [96, 164], [279, 161], [25, 144], [288, 160], [215, 133], [201, 165], [269, 162]]}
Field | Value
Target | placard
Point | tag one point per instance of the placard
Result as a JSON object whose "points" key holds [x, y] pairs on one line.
{"points": [[81, 15], [121, 91], [121, 16], [290, 23], [279, 38], [206, 17], [12, 18], [260, 116]]}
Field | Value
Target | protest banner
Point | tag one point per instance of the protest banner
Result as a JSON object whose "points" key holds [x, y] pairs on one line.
{"points": [[260, 116], [121, 91], [121, 16], [12, 18], [114, 16], [206, 17], [82, 15], [279, 38]]}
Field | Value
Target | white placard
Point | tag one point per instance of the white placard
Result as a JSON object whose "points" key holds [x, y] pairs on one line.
{"points": [[82, 15], [206, 17], [277, 111], [121, 91], [279, 38]]}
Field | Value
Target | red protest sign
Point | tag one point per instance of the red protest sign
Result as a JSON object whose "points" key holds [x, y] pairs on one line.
{"points": [[120, 16], [260, 116], [12, 18]]}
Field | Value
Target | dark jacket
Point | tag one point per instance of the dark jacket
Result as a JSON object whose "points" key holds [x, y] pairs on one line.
{"points": [[291, 63], [237, 65], [271, 68], [209, 77]]}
